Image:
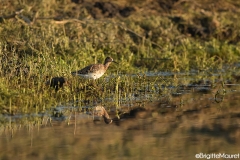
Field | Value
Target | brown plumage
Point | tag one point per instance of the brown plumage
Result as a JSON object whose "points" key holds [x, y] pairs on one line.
{"points": [[94, 71]]}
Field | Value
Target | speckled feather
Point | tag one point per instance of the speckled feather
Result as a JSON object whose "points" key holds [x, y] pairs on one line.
{"points": [[93, 68], [94, 71]]}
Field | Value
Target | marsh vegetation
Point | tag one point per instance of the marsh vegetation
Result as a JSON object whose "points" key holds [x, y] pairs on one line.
{"points": [[177, 78]]}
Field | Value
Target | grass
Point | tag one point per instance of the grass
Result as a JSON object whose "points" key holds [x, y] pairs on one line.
{"points": [[53, 38]]}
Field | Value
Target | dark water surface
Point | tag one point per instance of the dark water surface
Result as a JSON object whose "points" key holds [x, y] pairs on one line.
{"points": [[162, 137], [192, 119]]}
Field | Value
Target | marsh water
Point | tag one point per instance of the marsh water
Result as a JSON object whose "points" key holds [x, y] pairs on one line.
{"points": [[169, 122]]}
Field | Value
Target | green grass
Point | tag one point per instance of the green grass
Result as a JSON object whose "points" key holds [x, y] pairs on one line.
{"points": [[141, 42]]}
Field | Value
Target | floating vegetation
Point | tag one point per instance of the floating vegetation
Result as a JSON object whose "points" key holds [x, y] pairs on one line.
{"points": [[120, 94]]}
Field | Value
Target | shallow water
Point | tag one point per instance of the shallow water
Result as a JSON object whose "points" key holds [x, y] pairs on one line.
{"points": [[165, 136], [190, 119]]}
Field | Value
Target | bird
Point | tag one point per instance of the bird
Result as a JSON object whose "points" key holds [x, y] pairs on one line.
{"points": [[94, 71], [100, 112]]}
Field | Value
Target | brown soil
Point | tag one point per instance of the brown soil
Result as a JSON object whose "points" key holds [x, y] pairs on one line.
{"points": [[197, 18]]}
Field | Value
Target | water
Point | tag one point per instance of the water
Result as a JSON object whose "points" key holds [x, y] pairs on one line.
{"points": [[177, 135], [187, 119]]}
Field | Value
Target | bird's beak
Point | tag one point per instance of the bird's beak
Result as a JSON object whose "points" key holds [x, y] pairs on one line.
{"points": [[114, 62]]}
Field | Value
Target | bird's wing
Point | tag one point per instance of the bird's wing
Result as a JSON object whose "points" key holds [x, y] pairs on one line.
{"points": [[90, 69]]}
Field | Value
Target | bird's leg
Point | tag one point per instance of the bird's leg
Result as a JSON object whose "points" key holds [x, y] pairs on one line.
{"points": [[95, 85], [91, 84]]}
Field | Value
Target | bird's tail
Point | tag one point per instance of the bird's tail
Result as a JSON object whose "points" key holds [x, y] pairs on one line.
{"points": [[74, 73]]}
